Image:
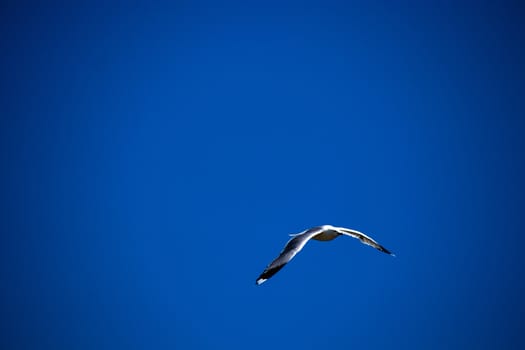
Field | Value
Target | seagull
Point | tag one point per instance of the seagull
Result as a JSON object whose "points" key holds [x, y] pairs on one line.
{"points": [[319, 233]]}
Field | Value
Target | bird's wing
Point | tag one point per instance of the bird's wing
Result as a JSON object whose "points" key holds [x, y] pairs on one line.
{"points": [[291, 248], [364, 239]]}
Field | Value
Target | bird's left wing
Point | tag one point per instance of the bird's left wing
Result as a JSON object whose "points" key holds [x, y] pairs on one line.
{"points": [[291, 248]]}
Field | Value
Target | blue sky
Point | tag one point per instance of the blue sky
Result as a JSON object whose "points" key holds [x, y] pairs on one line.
{"points": [[155, 158]]}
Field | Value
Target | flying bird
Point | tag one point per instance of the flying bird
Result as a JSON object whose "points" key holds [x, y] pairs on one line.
{"points": [[319, 233]]}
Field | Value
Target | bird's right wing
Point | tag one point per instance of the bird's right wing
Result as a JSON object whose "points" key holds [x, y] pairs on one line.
{"points": [[364, 239], [292, 247]]}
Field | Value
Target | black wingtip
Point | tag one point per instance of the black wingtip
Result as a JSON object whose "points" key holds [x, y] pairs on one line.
{"points": [[386, 251]]}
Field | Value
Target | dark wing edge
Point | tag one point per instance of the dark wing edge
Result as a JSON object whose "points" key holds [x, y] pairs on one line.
{"points": [[292, 247], [383, 249]]}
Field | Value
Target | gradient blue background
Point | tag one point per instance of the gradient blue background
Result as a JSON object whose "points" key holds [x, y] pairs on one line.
{"points": [[155, 157]]}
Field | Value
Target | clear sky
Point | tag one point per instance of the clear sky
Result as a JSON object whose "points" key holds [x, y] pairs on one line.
{"points": [[155, 157]]}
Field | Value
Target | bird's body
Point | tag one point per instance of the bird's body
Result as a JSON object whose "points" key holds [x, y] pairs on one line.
{"points": [[319, 233], [326, 235]]}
